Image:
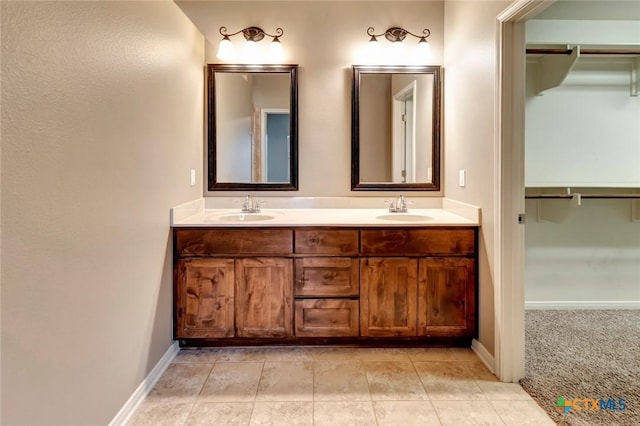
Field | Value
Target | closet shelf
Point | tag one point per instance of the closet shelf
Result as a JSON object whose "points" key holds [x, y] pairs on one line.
{"points": [[569, 196], [575, 197], [556, 63]]}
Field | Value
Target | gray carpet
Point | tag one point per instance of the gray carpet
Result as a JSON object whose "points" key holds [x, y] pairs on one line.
{"points": [[591, 354]]}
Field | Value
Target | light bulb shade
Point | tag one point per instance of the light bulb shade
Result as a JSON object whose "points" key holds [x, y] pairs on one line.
{"points": [[276, 51], [225, 49], [423, 50], [397, 46], [250, 50]]}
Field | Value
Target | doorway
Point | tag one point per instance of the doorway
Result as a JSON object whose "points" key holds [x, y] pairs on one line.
{"points": [[403, 130], [275, 145]]}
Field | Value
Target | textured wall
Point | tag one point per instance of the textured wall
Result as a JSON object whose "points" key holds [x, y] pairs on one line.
{"points": [[102, 106], [470, 76]]}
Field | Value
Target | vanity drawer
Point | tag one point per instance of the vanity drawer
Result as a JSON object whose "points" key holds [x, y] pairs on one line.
{"points": [[337, 242], [326, 317], [417, 242], [208, 242], [326, 277]]}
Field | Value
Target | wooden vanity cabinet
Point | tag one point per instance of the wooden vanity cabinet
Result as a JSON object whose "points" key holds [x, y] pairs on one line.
{"points": [[305, 284]]}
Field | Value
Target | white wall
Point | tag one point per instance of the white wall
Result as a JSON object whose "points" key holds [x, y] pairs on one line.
{"points": [[325, 38], [102, 112], [469, 129], [579, 254]]}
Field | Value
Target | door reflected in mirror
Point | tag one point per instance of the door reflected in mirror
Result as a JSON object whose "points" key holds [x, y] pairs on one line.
{"points": [[252, 127], [396, 128]]}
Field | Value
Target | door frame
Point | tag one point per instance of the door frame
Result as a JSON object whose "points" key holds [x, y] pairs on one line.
{"points": [[509, 189]]}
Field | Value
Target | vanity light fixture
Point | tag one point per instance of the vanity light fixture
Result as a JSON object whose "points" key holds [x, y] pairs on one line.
{"points": [[251, 35], [396, 35]]}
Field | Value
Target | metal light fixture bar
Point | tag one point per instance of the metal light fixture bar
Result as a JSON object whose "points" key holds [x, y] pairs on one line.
{"points": [[252, 33], [396, 34]]}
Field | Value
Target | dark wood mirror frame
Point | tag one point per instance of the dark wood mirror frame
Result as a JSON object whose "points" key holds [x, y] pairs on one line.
{"points": [[358, 70], [213, 184]]}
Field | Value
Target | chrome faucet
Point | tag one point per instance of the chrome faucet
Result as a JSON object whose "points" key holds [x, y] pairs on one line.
{"points": [[249, 205], [400, 205]]}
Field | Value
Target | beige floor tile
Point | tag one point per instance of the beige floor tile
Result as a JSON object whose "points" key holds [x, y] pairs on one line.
{"points": [[160, 414], [181, 382], [479, 371], [462, 354], [220, 413], [282, 413], [340, 381], [499, 391], [286, 381], [232, 382], [343, 414], [428, 354], [381, 354], [522, 413], [329, 353], [448, 381], [206, 356], [289, 354], [247, 354], [405, 413], [393, 380], [467, 413]]}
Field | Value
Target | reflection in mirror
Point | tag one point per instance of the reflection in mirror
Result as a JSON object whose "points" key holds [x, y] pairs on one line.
{"points": [[252, 127], [396, 128]]}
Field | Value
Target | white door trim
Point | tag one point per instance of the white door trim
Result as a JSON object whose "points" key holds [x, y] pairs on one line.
{"points": [[509, 188]]}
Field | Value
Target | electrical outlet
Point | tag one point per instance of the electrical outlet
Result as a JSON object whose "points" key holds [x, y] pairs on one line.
{"points": [[193, 177], [462, 178]]}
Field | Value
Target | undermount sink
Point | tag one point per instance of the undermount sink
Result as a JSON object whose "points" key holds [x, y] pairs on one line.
{"points": [[403, 217], [244, 217]]}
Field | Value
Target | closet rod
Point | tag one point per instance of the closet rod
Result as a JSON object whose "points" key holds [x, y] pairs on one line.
{"points": [[585, 51], [602, 196]]}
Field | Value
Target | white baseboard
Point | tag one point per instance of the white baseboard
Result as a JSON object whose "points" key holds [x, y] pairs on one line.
{"points": [[622, 304], [145, 387], [484, 355]]}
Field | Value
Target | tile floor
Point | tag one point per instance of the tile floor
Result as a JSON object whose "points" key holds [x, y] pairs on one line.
{"points": [[334, 386]]}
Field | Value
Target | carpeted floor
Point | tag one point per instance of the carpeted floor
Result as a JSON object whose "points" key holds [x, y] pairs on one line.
{"points": [[593, 354]]}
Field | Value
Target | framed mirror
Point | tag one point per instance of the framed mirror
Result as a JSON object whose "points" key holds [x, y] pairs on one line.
{"points": [[395, 130], [252, 127]]}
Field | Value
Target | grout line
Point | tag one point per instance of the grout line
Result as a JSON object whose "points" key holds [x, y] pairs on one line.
{"points": [[199, 393], [253, 405]]}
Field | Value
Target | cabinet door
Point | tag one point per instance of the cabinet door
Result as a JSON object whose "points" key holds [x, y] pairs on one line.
{"points": [[264, 288], [388, 292], [447, 299], [204, 298]]}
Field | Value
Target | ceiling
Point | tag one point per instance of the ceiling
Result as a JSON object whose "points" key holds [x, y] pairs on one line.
{"points": [[599, 10]]}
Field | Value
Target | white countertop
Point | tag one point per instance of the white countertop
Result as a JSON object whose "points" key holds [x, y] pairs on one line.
{"points": [[195, 215]]}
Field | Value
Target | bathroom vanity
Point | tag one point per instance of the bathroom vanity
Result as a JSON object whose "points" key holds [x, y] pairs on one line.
{"points": [[325, 277]]}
